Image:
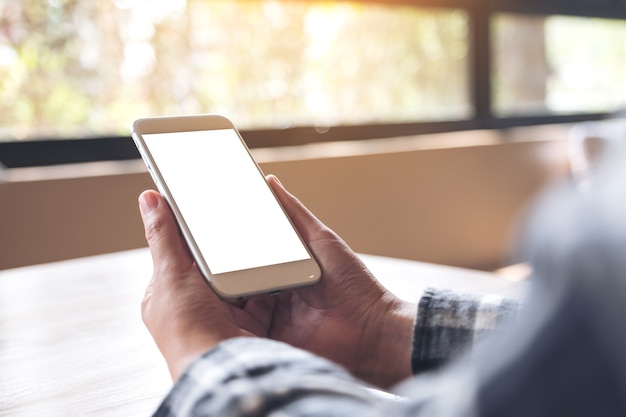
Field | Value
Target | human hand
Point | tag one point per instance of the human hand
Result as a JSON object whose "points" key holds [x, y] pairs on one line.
{"points": [[183, 315], [348, 317]]}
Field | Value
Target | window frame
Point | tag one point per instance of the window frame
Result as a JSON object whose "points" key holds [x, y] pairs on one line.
{"points": [[44, 152]]}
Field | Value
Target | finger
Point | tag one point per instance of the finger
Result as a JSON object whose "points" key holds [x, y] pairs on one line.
{"points": [[169, 251], [333, 254], [255, 316], [309, 226], [262, 308]]}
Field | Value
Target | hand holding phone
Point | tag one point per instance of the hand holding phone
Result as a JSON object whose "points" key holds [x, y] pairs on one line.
{"points": [[240, 237], [345, 318]]}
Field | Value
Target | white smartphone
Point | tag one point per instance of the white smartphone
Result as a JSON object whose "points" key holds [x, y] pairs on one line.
{"points": [[238, 233]]}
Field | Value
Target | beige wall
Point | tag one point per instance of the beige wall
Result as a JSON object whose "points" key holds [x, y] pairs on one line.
{"points": [[454, 205]]}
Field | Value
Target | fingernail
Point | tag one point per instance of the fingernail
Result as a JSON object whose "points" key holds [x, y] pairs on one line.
{"points": [[275, 178], [148, 202]]}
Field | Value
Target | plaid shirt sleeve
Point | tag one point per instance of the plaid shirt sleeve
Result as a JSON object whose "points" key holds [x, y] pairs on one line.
{"points": [[253, 377], [449, 323]]}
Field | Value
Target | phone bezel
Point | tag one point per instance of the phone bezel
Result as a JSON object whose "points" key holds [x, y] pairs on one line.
{"points": [[236, 284]]}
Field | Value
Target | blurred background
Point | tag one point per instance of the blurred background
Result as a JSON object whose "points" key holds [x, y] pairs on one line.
{"points": [[417, 129]]}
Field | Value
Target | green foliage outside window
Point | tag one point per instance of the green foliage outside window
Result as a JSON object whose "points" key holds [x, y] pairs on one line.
{"points": [[81, 68]]}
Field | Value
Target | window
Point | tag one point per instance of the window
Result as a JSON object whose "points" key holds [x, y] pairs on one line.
{"points": [[81, 68], [558, 64], [290, 72]]}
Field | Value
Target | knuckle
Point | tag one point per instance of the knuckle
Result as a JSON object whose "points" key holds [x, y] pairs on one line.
{"points": [[325, 236], [154, 230]]}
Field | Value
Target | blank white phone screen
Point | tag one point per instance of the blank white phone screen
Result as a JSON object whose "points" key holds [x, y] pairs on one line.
{"points": [[233, 217]]}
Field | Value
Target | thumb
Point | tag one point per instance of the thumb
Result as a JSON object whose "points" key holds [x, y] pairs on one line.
{"points": [[309, 226], [168, 249]]}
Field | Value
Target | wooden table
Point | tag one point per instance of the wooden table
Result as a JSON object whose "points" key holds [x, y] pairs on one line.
{"points": [[72, 342]]}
